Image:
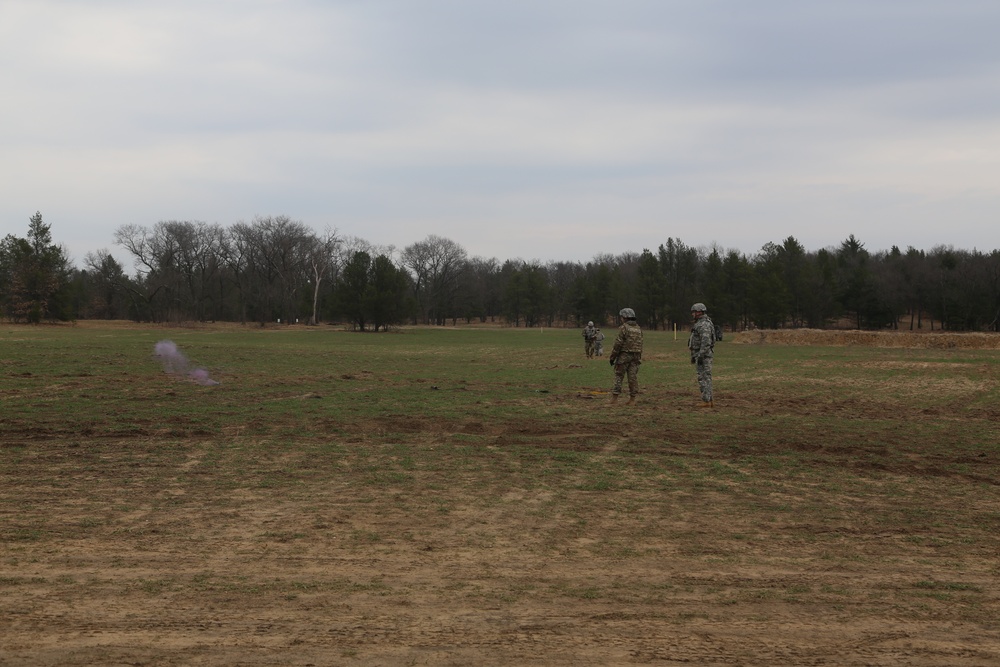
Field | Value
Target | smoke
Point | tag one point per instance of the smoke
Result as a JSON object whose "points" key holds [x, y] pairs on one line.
{"points": [[175, 363]]}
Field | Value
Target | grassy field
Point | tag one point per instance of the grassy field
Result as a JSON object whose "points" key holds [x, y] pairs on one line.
{"points": [[470, 497]]}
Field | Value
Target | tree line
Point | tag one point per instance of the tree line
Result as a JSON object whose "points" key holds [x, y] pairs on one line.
{"points": [[275, 269]]}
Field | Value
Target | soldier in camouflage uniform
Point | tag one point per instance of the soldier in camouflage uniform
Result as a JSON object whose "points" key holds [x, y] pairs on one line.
{"points": [[598, 342], [702, 346], [626, 355], [588, 339]]}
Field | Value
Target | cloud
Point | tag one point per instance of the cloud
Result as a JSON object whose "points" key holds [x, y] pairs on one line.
{"points": [[549, 130]]}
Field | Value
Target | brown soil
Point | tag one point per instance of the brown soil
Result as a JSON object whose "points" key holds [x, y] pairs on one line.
{"points": [[144, 567]]}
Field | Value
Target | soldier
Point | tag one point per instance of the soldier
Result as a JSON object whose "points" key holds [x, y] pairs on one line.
{"points": [[598, 342], [626, 355], [702, 346], [588, 340]]}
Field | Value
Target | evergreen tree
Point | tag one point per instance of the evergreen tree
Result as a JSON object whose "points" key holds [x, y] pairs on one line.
{"points": [[34, 275], [769, 300], [353, 289], [651, 293], [735, 308], [714, 289], [387, 293], [680, 266]]}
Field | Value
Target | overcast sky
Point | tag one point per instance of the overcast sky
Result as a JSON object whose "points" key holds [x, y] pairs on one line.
{"points": [[535, 129]]}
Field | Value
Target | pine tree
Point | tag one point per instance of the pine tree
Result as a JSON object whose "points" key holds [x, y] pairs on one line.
{"points": [[33, 272]]}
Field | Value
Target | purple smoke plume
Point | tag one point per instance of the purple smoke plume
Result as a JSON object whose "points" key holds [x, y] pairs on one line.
{"points": [[175, 363]]}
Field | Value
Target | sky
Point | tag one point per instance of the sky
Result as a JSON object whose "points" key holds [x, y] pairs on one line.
{"points": [[550, 130]]}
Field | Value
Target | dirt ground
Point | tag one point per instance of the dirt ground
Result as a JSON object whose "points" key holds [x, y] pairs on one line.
{"points": [[125, 556]]}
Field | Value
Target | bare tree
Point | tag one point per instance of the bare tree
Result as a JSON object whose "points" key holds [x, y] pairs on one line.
{"points": [[237, 254], [110, 285], [479, 290], [322, 260], [179, 260], [435, 264], [148, 257]]}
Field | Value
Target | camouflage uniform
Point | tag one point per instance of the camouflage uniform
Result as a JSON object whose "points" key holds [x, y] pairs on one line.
{"points": [[588, 340], [702, 346], [599, 343], [627, 355]]}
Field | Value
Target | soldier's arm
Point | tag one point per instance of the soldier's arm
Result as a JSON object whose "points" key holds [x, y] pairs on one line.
{"points": [[705, 339], [619, 341]]}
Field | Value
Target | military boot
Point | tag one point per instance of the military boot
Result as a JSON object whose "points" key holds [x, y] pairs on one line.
{"points": [[707, 404], [631, 400], [614, 398]]}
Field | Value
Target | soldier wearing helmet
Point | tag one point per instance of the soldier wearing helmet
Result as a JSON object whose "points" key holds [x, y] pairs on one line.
{"points": [[626, 355], [589, 335], [702, 346]]}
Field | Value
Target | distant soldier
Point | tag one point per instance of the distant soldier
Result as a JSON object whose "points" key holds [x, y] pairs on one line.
{"points": [[626, 355], [588, 339], [599, 342], [702, 346]]}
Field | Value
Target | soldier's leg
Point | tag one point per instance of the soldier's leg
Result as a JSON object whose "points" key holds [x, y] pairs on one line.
{"points": [[619, 375], [705, 379], [633, 379], [706, 392]]}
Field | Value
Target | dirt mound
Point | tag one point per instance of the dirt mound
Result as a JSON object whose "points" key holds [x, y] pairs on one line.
{"points": [[979, 341]]}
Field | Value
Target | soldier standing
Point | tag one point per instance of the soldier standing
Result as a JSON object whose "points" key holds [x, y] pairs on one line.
{"points": [[588, 339], [626, 355], [702, 346]]}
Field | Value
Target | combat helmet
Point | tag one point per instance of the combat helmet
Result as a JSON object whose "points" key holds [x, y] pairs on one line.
{"points": [[699, 307], [626, 314]]}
